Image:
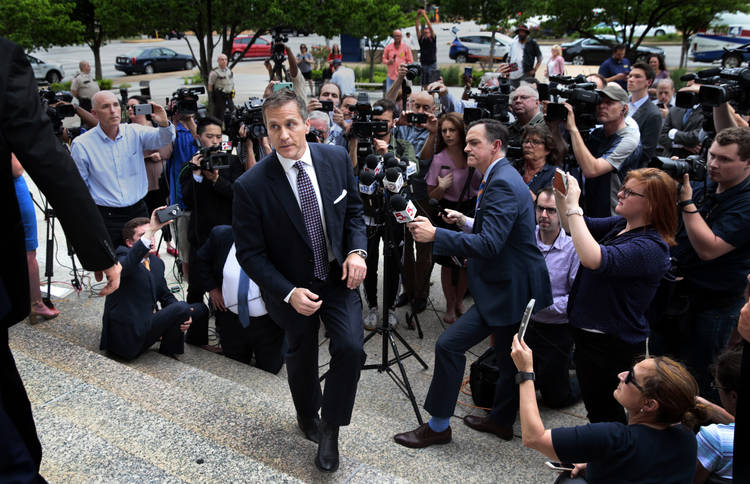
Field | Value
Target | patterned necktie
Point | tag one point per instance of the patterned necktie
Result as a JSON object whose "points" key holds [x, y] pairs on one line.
{"points": [[313, 223], [243, 311], [147, 263], [480, 192]]}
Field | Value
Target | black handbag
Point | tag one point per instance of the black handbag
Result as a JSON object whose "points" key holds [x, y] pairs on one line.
{"points": [[483, 376]]}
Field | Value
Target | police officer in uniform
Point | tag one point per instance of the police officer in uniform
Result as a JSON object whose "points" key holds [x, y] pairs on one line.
{"points": [[84, 86], [220, 87]]}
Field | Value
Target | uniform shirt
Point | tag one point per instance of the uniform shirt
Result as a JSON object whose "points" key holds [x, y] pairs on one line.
{"points": [[113, 170], [610, 67], [221, 80], [85, 85]]}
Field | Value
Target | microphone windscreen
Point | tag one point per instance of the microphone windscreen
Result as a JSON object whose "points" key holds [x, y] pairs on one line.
{"points": [[371, 161], [398, 203], [392, 174], [366, 177]]}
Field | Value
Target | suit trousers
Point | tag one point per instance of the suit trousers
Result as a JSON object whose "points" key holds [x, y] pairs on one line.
{"points": [[20, 450], [551, 344], [262, 338], [115, 219], [341, 313], [197, 334], [165, 324], [599, 359], [417, 271], [450, 364]]}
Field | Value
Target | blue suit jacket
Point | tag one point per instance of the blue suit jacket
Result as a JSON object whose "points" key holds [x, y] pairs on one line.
{"points": [[273, 247], [128, 311], [505, 266]]}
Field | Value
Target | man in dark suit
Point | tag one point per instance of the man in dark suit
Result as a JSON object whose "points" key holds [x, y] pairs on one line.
{"points": [[681, 132], [26, 131], [300, 235], [246, 330], [132, 320], [642, 110], [505, 270]]}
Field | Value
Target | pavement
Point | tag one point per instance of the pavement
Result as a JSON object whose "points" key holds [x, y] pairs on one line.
{"points": [[206, 418]]}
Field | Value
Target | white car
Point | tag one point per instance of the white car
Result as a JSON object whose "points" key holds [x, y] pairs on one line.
{"points": [[470, 46], [45, 71]]}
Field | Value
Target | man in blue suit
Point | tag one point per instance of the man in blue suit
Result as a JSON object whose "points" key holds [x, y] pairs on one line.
{"points": [[132, 320], [505, 270], [300, 235]]}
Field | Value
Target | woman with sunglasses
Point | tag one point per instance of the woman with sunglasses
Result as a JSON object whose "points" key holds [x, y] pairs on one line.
{"points": [[541, 154], [654, 445], [623, 258]]}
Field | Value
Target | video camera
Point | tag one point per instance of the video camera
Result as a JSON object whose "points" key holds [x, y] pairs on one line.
{"points": [[279, 36], [186, 101], [580, 94], [718, 86], [213, 158], [251, 115], [694, 166], [364, 128], [58, 107], [492, 102]]}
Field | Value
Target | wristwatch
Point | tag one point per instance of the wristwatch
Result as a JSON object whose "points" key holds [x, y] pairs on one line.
{"points": [[360, 253], [523, 376], [575, 211]]}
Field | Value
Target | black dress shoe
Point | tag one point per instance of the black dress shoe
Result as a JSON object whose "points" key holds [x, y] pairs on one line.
{"points": [[484, 424], [327, 459], [401, 300], [423, 436], [310, 427]]}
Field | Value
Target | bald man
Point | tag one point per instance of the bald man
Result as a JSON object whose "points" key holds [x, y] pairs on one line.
{"points": [[84, 85], [110, 160], [221, 87]]}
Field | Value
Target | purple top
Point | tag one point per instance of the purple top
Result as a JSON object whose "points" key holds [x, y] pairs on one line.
{"points": [[459, 177], [614, 298], [562, 265]]}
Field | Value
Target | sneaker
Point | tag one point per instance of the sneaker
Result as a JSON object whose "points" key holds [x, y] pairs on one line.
{"points": [[371, 318], [392, 321]]}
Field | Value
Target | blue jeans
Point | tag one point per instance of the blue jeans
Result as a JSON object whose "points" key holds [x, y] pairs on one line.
{"points": [[388, 83]]}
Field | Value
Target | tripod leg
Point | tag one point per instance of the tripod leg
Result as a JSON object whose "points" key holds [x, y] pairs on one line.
{"points": [[410, 349], [404, 378]]}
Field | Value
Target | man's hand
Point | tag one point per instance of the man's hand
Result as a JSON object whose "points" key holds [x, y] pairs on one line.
{"points": [[441, 89], [313, 105], [184, 326], [338, 117], [154, 157], [522, 355], [664, 112], [454, 217], [381, 147], [305, 301], [431, 125], [113, 279], [212, 175], [421, 229], [217, 299], [403, 120], [154, 224], [618, 77], [159, 115], [686, 191], [354, 270], [570, 123], [693, 149], [402, 70], [196, 159]]}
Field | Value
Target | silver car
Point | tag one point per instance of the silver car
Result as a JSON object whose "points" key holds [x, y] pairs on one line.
{"points": [[45, 71], [471, 46]]}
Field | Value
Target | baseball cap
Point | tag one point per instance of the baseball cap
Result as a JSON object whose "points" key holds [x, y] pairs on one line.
{"points": [[614, 92], [522, 27]]}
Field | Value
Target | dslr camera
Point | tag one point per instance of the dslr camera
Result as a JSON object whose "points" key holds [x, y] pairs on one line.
{"points": [[212, 158], [413, 71], [580, 94], [186, 100], [693, 165]]}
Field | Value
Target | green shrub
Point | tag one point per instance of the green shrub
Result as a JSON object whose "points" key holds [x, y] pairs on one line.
{"points": [[124, 85], [194, 79], [452, 75], [60, 86], [317, 74], [675, 75], [105, 84]]}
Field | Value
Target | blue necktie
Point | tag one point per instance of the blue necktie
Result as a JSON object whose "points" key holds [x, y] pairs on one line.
{"points": [[242, 309], [480, 193], [313, 222], [685, 116]]}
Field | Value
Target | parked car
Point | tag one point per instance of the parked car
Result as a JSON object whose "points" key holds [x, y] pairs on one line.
{"points": [[638, 30], [470, 46], [260, 49], [43, 70], [173, 34], [593, 52], [148, 60], [735, 57]]}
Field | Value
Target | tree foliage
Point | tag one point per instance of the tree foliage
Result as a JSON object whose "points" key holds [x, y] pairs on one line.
{"points": [[39, 24]]}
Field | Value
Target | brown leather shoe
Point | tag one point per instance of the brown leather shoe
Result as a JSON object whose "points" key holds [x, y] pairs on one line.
{"points": [[484, 424], [423, 436]]}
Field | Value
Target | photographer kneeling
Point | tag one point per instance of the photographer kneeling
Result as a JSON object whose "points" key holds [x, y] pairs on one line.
{"points": [[655, 445], [623, 258], [713, 253]]}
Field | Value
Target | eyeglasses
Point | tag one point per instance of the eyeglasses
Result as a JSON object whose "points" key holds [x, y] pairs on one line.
{"points": [[716, 386], [627, 192], [631, 379], [535, 142], [550, 210]]}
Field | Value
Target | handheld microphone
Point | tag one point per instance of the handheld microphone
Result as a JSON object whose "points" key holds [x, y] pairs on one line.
{"points": [[374, 163], [367, 183], [393, 181], [402, 208], [435, 205], [411, 169]]}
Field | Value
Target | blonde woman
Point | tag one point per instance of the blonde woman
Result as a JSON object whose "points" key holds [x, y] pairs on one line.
{"points": [[556, 63]]}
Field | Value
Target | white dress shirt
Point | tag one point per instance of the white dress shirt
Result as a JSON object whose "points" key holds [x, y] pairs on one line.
{"points": [[231, 279]]}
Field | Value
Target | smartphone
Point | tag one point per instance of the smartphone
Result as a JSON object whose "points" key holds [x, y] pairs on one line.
{"points": [[513, 67], [327, 106], [416, 118], [526, 318], [143, 109], [467, 72], [560, 181], [660, 105], [168, 213], [283, 85], [559, 466]]}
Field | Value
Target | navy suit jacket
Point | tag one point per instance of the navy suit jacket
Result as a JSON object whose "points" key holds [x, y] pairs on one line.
{"points": [[505, 266], [273, 247], [128, 311]]}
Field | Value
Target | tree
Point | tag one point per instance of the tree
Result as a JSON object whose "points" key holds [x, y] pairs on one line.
{"points": [[39, 24], [693, 18]]}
